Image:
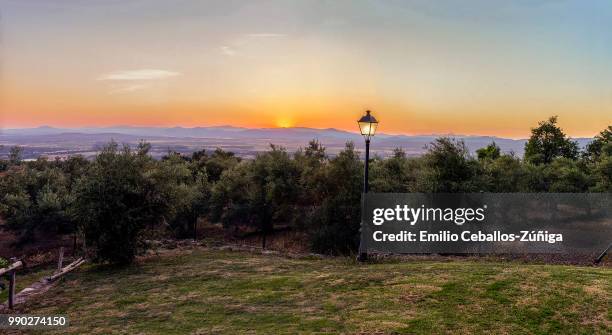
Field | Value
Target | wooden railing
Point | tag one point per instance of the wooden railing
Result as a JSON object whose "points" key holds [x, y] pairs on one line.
{"points": [[11, 271], [39, 286]]}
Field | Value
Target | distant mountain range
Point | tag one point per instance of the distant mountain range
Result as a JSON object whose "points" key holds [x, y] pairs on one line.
{"points": [[245, 142]]}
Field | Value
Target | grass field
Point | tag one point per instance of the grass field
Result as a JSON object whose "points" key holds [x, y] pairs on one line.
{"points": [[230, 292]]}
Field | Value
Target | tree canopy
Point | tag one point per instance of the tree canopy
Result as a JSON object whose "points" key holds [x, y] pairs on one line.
{"points": [[548, 142], [116, 201]]}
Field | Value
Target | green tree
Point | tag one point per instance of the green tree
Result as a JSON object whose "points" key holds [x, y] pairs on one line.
{"points": [[311, 162], [4, 164], [548, 142], [503, 174], [448, 168], [74, 167], [117, 200], [260, 193], [491, 151], [15, 155], [186, 190], [36, 198], [595, 148], [394, 174], [231, 196], [602, 170], [566, 175], [335, 223], [215, 163]]}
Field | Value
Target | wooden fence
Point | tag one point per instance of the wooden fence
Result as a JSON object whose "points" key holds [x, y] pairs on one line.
{"points": [[11, 271], [40, 286]]}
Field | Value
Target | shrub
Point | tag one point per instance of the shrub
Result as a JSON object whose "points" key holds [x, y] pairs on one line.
{"points": [[185, 187], [448, 168], [259, 193], [116, 201], [335, 224], [36, 197]]}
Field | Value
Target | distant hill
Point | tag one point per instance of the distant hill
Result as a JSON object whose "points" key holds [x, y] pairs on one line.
{"points": [[245, 142]]}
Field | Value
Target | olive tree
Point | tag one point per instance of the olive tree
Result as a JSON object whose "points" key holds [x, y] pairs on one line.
{"points": [[258, 193], [548, 142], [117, 199]]}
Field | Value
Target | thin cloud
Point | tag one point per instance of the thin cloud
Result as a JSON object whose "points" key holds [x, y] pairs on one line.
{"points": [[266, 35], [231, 49], [228, 51], [128, 88], [143, 74]]}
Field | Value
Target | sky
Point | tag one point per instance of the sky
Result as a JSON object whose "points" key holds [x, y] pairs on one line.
{"points": [[422, 67]]}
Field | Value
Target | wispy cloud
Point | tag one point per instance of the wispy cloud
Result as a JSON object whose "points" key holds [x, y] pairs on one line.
{"points": [[233, 47], [226, 50], [265, 35], [119, 89], [142, 74]]}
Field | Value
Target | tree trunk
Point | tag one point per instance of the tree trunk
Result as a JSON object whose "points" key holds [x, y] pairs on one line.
{"points": [[195, 229], [263, 239]]}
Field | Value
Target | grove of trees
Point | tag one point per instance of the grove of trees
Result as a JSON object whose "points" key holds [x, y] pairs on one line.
{"points": [[123, 196]]}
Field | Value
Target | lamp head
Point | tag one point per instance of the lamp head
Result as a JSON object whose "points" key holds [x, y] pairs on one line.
{"points": [[367, 125]]}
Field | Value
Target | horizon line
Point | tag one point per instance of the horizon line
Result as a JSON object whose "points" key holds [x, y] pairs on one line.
{"points": [[268, 128]]}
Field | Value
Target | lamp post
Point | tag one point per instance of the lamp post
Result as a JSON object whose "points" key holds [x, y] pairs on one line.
{"points": [[367, 127]]}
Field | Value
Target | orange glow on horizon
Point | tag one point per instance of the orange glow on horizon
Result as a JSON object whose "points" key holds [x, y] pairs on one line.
{"points": [[62, 110], [284, 122], [438, 68]]}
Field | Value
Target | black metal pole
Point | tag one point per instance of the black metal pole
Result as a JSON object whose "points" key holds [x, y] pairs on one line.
{"points": [[366, 187], [363, 255]]}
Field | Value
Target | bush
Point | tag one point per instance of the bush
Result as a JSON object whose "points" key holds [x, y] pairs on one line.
{"points": [[36, 197], [334, 227], [448, 168], [260, 193], [116, 201], [184, 185]]}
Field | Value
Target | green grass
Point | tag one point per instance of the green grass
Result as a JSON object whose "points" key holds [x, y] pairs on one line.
{"points": [[224, 292]]}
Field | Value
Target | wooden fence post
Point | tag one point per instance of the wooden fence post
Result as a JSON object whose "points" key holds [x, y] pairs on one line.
{"points": [[11, 271], [11, 293], [60, 259]]}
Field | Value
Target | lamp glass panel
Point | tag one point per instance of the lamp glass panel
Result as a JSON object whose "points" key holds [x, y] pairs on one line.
{"points": [[368, 128], [373, 128]]}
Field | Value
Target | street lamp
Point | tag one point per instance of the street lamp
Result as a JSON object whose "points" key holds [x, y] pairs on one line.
{"points": [[367, 127]]}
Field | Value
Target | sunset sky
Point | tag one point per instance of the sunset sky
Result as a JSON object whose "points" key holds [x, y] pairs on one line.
{"points": [[423, 67]]}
